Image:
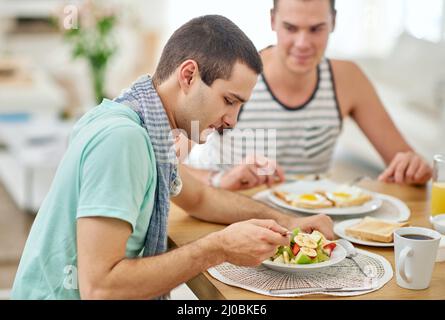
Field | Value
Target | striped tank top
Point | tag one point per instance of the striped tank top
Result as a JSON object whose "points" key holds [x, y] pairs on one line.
{"points": [[301, 139]]}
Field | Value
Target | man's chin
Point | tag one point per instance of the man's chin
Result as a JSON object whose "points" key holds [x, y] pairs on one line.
{"points": [[301, 67]]}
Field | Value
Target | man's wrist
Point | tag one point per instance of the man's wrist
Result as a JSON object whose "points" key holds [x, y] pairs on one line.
{"points": [[287, 221], [214, 243]]}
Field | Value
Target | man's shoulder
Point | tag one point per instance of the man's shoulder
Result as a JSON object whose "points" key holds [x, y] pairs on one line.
{"points": [[126, 131], [114, 133], [347, 73], [350, 82], [107, 117], [344, 67]]}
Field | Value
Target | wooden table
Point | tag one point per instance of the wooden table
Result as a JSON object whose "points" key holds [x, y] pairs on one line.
{"points": [[184, 229]]}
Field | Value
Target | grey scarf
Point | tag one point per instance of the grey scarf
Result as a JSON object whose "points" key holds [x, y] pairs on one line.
{"points": [[144, 100]]}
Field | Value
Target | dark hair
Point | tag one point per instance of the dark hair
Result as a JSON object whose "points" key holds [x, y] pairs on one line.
{"points": [[215, 43], [275, 5]]}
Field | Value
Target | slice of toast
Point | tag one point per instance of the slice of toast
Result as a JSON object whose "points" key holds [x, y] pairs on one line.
{"points": [[371, 229]]}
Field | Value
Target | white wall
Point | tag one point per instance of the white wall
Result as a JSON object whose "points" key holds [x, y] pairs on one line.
{"points": [[365, 28], [252, 16]]}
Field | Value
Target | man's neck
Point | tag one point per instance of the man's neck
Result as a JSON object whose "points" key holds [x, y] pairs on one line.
{"points": [[166, 93]]}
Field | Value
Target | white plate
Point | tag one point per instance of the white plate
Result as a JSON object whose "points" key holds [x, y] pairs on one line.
{"points": [[403, 212], [337, 256], [300, 187], [339, 229]]}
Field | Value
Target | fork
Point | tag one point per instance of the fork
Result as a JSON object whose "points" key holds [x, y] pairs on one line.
{"points": [[320, 289], [351, 253]]}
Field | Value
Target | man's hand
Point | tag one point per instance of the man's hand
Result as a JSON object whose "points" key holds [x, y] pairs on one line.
{"points": [[407, 168], [254, 172], [249, 243], [320, 222]]}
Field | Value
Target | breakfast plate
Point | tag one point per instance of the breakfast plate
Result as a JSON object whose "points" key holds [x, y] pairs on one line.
{"points": [[338, 254], [339, 230], [312, 187]]}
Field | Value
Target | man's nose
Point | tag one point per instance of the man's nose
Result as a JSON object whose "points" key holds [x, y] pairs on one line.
{"points": [[230, 119], [302, 40]]}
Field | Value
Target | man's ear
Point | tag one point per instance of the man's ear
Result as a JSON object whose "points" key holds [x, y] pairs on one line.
{"points": [[188, 73], [272, 19]]}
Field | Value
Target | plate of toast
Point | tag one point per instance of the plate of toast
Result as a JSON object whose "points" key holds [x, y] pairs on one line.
{"points": [[369, 231], [326, 197]]}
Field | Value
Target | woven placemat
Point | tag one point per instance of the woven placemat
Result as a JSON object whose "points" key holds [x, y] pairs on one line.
{"points": [[345, 274]]}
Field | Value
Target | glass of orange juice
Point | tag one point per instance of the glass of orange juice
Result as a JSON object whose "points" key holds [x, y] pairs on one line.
{"points": [[438, 188]]}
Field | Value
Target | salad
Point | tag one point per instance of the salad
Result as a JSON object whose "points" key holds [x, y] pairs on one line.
{"points": [[305, 248]]}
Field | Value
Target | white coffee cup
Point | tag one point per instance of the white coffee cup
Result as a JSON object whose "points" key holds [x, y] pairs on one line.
{"points": [[415, 258]]}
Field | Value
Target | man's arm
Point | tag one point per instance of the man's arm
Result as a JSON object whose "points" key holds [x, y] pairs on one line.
{"points": [[359, 99], [254, 171], [106, 273], [225, 207], [203, 175]]}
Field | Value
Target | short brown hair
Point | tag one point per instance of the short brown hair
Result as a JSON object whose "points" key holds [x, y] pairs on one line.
{"points": [[215, 43], [275, 5]]}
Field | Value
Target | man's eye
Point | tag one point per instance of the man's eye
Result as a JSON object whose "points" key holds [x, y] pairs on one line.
{"points": [[228, 102], [316, 30]]}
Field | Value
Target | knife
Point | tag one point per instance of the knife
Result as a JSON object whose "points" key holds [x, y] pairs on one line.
{"points": [[320, 289]]}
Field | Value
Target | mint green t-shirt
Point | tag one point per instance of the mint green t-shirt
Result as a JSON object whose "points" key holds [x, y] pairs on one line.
{"points": [[109, 170]]}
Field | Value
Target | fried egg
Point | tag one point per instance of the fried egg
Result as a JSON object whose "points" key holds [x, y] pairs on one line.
{"points": [[347, 196], [309, 201]]}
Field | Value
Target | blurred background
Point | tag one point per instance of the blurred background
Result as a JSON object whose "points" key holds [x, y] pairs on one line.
{"points": [[52, 72]]}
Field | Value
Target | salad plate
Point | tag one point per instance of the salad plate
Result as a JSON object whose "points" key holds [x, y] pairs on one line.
{"points": [[306, 252]]}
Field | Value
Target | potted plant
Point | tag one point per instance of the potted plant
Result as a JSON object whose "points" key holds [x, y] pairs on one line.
{"points": [[92, 39]]}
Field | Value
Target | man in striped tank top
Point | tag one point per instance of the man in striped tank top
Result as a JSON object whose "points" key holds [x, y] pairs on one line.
{"points": [[303, 97]]}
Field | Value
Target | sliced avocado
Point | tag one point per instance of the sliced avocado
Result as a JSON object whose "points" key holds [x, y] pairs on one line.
{"points": [[280, 250], [306, 256], [283, 249], [295, 232], [289, 251], [321, 256], [302, 258]]}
